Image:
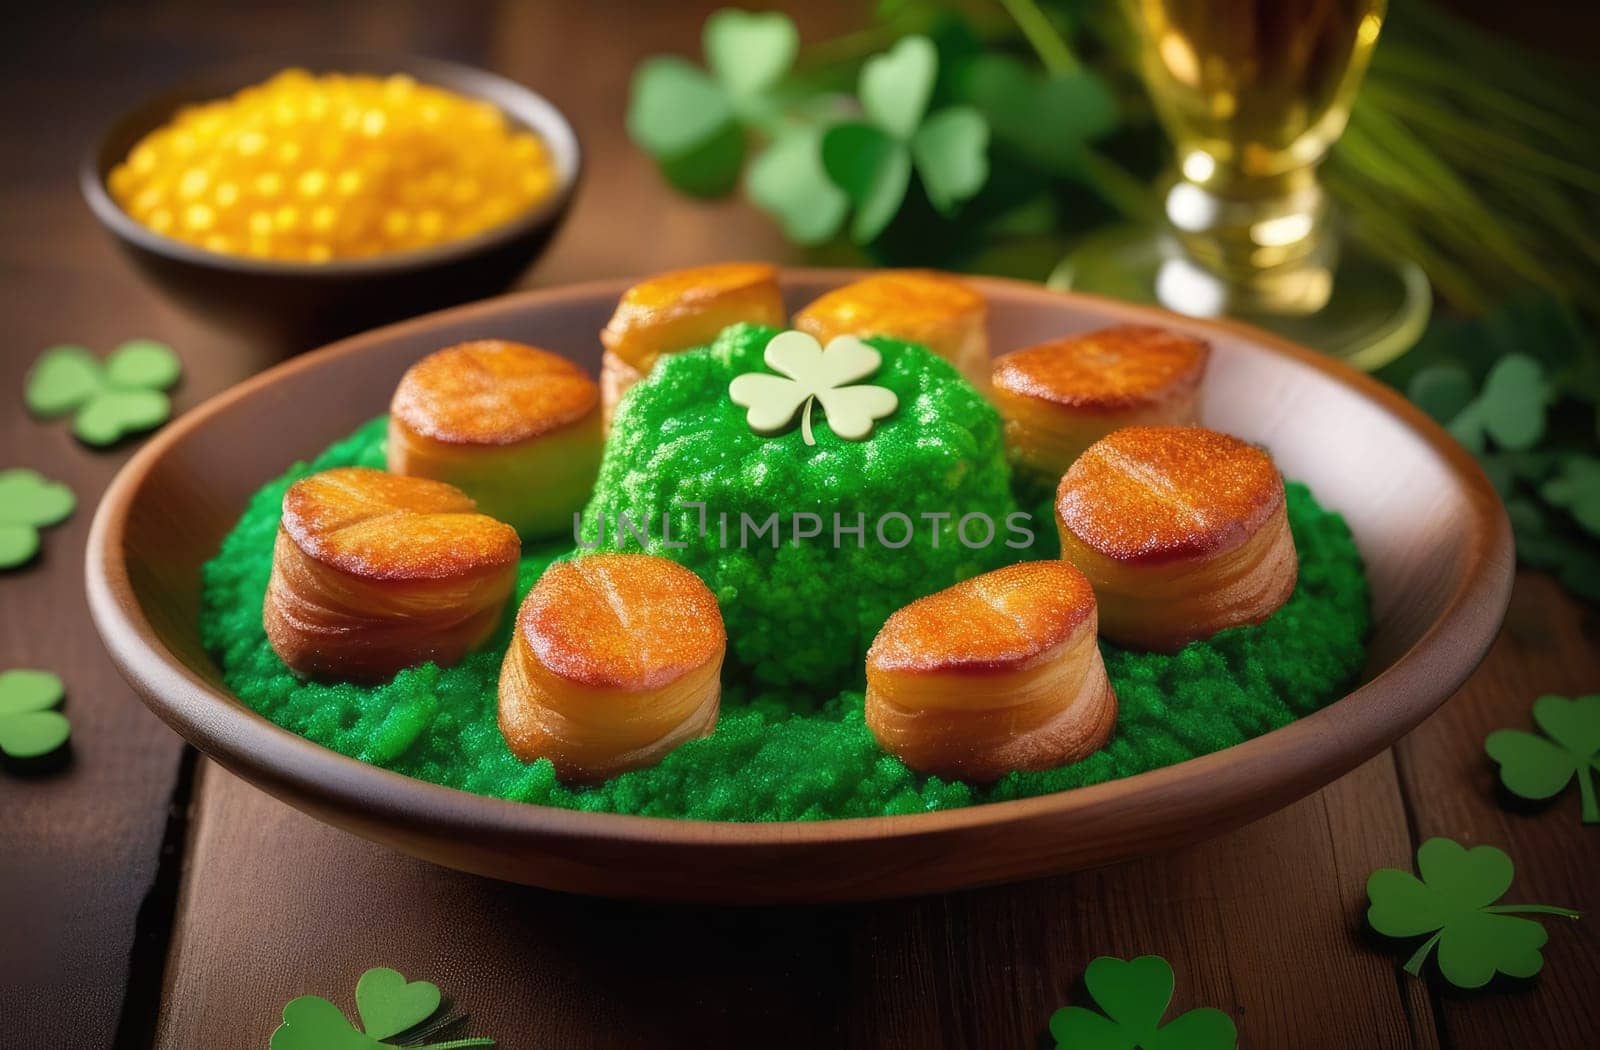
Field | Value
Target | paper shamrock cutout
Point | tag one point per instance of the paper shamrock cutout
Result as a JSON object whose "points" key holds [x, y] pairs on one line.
{"points": [[813, 375], [1454, 901], [690, 120], [872, 160], [30, 727], [28, 502], [1134, 994], [389, 1006], [123, 395], [1538, 768]]}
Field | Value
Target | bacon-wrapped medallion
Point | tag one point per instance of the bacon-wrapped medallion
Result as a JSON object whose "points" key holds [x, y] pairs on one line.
{"points": [[681, 309], [514, 427], [615, 661], [919, 306], [1182, 531], [997, 673], [1060, 397], [372, 573]]}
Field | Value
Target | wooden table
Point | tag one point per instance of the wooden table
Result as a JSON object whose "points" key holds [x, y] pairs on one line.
{"points": [[150, 899]]}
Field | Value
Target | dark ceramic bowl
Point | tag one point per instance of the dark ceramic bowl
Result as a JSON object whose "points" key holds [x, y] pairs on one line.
{"points": [[1433, 534], [295, 306]]}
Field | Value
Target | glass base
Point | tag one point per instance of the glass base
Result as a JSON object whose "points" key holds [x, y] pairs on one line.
{"points": [[1375, 310]]}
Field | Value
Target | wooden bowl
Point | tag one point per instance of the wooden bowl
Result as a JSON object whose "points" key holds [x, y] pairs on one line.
{"points": [[296, 306], [1435, 538]]}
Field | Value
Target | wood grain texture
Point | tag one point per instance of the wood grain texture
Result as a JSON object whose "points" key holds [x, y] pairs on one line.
{"points": [[79, 848], [1260, 923], [78, 851], [1549, 645]]}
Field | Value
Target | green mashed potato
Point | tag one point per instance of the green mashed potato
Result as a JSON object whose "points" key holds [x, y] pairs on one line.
{"points": [[782, 750], [806, 612]]}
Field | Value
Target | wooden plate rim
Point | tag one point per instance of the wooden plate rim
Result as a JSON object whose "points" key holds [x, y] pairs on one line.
{"points": [[1360, 724]]}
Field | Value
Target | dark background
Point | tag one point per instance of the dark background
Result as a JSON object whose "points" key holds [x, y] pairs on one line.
{"points": [[150, 899]]}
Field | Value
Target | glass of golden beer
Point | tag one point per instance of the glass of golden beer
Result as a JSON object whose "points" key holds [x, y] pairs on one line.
{"points": [[1253, 93]]}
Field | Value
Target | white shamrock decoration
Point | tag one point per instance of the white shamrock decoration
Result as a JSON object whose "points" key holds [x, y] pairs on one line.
{"points": [[814, 374]]}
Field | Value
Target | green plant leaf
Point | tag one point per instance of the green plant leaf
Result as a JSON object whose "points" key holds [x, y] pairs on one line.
{"points": [[788, 181], [1513, 399], [63, 378], [1442, 391], [1577, 488], [675, 108], [749, 53], [1048, 121], [950, 150], [1135, 995], [1454, 899], [143, 364], [712, 168], [1468, 427], [896, 86], [389, 1004], [29, 728], [872, 169]]}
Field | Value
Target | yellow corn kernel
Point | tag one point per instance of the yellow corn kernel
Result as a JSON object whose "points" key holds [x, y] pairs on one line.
{"points": [[372, 164]]}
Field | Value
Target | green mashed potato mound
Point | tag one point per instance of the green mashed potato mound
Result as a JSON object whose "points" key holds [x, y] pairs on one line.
{"points": [[794, 752], [805, 612]]}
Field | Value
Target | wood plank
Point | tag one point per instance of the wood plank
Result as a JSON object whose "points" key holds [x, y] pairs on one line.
{"points": [[82, 905], [1550, 644], [79, 848], [1259, 923]]}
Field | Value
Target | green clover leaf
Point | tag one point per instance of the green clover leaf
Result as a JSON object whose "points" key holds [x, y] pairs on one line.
{"points": [[1048, 121], [1454, 901], [1513, 402], [1441, 390], [692, 122], [872, 160], [28, 501], [30, 727], [950, 153], [389, 1005], [1134, 995], [896, 86], [1577, 488], [789, 182], [123, 395], [749, 53], [1538, 768], [872, 169]]}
